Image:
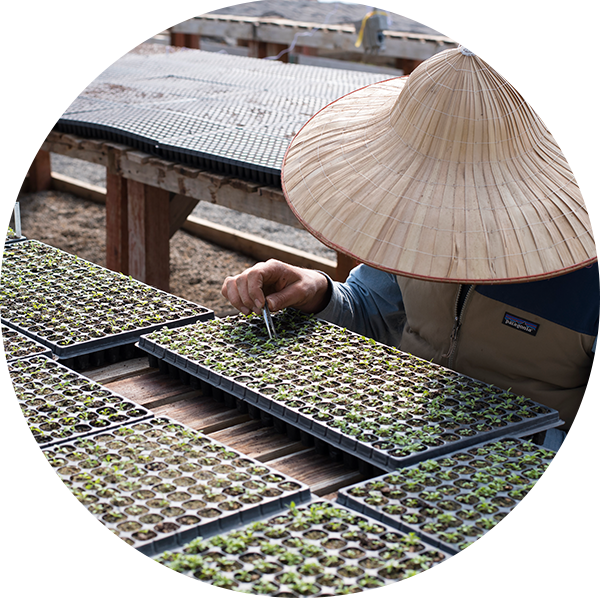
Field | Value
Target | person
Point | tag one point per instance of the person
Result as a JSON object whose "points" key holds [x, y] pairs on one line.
{"points": [[583, 12], [474, 244]]}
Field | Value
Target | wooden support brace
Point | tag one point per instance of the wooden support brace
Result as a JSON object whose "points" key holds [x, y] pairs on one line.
{"points": [[148, 229], [40, 176], [179, 210]]}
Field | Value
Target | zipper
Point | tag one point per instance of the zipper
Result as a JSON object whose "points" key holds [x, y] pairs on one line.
{"points": [[459, 311]]}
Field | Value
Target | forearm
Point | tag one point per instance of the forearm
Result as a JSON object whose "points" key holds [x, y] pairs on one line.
{"points": [[369, 303]]}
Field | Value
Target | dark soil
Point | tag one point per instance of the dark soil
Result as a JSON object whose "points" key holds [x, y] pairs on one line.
{"points": [[78, 226]]}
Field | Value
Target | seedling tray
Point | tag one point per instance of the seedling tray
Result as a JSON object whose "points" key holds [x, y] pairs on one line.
{"points": [[382, 405], [523, 513], [158, 483], [77, 308], [60, 404], [318, 549], [17, 345]]}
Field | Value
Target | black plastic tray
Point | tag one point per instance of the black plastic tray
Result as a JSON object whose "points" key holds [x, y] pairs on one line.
{"points": [[148, 482], [104, 342], [346, 443], [60, 405], [306, 546], [474, 492], [18, 346]]}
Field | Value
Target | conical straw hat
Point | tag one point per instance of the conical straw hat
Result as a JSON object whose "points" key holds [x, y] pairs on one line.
{"points": [[446, 175]]}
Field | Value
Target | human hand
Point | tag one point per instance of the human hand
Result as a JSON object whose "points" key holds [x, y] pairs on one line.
{"points": [[280, 285]]}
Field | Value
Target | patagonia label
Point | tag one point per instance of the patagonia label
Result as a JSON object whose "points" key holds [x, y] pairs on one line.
{"points": [[520, 324]]}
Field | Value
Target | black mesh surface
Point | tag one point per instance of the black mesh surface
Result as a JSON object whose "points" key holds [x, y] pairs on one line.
{"points": [[231, 114]]}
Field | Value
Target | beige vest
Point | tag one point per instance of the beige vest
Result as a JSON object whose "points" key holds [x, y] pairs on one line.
{"points": [[551, 368]]}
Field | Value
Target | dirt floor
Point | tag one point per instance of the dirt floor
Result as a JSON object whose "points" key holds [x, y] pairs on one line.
{"points": [[198, 268]]}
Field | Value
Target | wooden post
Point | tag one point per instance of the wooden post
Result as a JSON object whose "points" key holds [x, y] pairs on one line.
{"points": [[408, 65], [20, 158], [185, 40], [148, 228], [275, 49], [257, 49], [117, 243], [345, 264], [40, 177]]}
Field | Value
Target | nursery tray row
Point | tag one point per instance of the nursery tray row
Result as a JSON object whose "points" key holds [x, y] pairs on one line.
{"points": [[76, 308], [60, 404], [453, 500], [386, 407], [7, 235], [318, 549], [17, 345], [157, 483]]}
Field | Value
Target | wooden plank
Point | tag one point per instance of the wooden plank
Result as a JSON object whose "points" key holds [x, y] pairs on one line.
{"points": [[203, 414], [117, 238], [87, 191], [13, 183], [121, 370], [149, 389], [257, 247], [317, 471], [258, 441], [40, 176], [180, 208], [148, 233]]}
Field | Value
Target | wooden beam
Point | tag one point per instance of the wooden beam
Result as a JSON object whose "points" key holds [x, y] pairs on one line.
{"points": [[148, 233], [257, 247], [87, 191], [13, 183], [180, 207], [40, 173], [117, 240]]}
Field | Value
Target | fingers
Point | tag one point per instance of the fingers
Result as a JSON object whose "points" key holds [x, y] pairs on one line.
{"points": [[247, 291]]}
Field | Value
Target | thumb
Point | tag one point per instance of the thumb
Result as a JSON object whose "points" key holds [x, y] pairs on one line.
{"points": [[288, 296]]}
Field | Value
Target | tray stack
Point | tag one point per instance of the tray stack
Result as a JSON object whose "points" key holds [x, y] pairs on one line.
{"points": [[386, 407], [80, 310]]}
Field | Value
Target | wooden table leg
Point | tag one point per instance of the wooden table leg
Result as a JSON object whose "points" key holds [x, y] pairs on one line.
{"points": [[148, 233], [117, 242], [345, 264], [40, 177]]}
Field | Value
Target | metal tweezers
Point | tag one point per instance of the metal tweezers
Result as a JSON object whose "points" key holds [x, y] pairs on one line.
{"points": [[269, 321]]}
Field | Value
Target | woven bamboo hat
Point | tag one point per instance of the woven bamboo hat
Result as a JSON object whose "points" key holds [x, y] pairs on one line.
{"points": [[446, 175]]}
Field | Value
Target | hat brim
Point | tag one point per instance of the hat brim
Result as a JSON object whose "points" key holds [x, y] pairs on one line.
{"points": [[391, 202]]}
